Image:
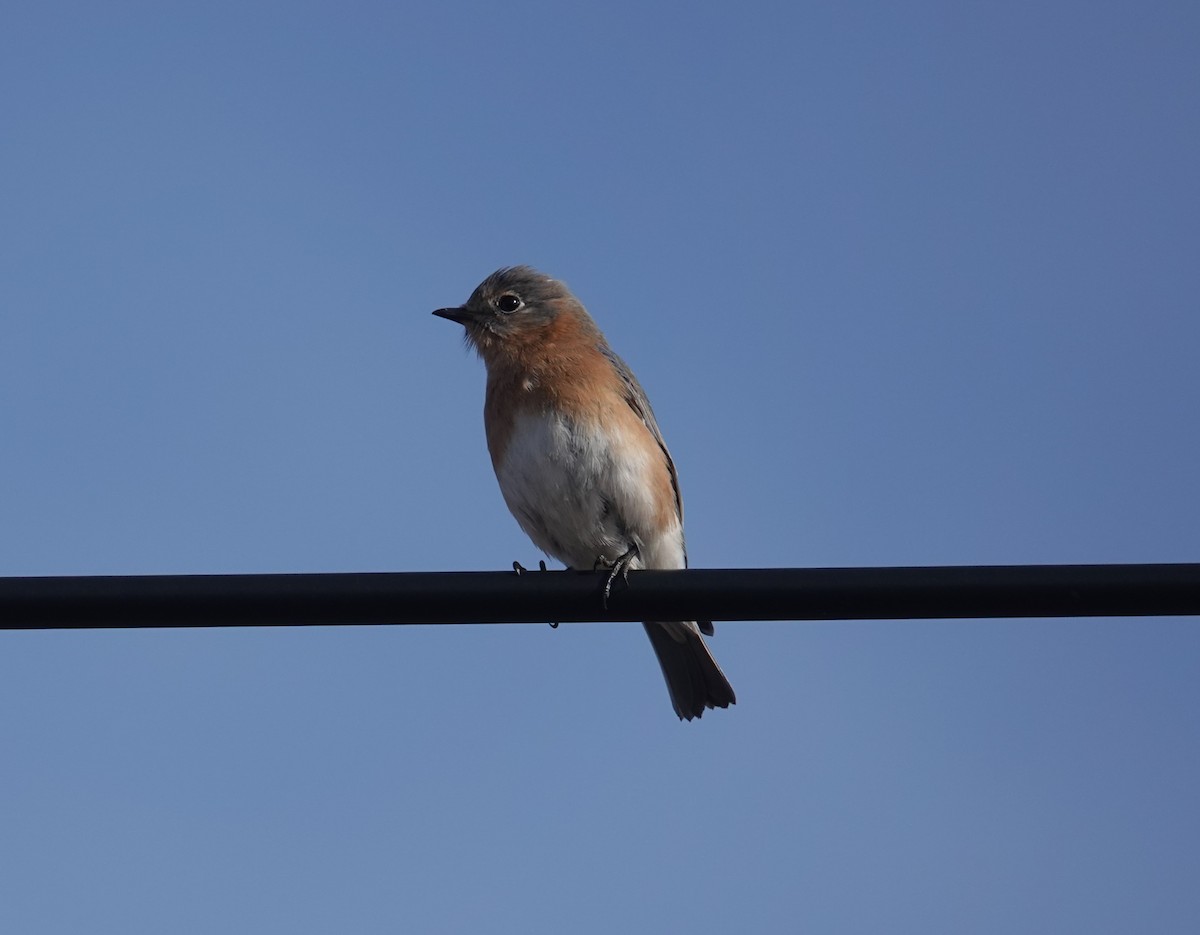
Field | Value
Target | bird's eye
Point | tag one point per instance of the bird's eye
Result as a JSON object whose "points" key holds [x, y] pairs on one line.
{"points": [[508, 302]]}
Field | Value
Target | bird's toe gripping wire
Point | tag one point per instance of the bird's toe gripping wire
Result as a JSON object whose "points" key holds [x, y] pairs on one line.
{"points": [[521, 569], [619, 567]]}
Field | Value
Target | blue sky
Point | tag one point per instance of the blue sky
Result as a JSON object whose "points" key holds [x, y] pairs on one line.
{"points": [[907, 284]]}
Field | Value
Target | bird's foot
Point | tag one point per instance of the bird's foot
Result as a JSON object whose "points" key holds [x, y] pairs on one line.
{"points": [[619, 567], [521, 569]]}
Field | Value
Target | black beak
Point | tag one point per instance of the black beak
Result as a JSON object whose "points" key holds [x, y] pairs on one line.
{"points": [[460, 315]]}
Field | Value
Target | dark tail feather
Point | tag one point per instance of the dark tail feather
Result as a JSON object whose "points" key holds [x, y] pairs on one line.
{"points": [[694, 679]]}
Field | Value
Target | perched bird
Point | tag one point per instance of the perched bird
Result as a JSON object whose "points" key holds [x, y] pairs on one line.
{"points": [[580, 459]]}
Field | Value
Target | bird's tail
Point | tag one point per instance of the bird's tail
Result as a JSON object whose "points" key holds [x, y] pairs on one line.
{"points": [[694, 679]]}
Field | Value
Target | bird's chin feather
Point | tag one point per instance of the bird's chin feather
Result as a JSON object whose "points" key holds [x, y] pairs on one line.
{"points": [[476, 339]]}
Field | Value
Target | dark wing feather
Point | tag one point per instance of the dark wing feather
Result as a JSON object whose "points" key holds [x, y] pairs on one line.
{"points": [[635, 396]]}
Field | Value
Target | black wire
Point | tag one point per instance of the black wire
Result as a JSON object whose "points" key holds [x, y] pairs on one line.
{"points": [[542, 597]]}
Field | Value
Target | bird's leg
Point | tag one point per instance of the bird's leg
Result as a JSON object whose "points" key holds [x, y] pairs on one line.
{"points": [[619, 567]]}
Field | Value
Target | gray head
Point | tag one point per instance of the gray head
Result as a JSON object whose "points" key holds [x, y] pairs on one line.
{"points": [[515, 304]]}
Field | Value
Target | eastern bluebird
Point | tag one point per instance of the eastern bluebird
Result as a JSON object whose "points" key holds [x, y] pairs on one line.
{"points": [[580, 459]]}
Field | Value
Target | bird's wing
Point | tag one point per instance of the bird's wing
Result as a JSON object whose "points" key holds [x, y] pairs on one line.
{"points": [[635, 396]]}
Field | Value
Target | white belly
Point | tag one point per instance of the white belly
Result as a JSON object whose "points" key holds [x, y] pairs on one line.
{"points": [[581, 494]]}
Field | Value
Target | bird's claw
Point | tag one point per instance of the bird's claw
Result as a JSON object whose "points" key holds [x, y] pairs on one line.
{"points": [[521, 569], [619, 567]]}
